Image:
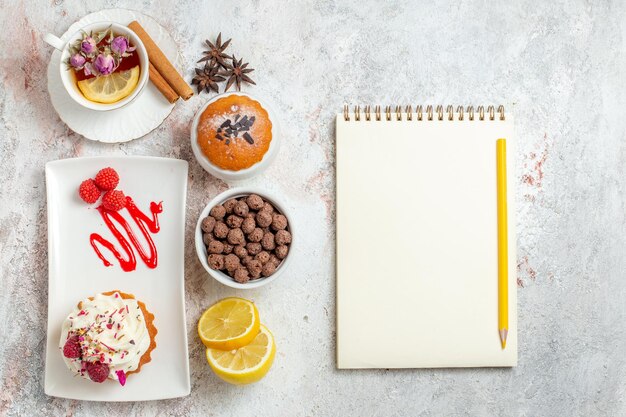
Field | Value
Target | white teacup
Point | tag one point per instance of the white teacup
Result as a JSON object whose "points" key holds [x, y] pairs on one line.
{"points": [[68, 78]]}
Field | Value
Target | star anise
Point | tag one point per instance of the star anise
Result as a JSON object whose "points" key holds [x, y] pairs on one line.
{"points": [[236, 73], [215, 54], [208, 77]]}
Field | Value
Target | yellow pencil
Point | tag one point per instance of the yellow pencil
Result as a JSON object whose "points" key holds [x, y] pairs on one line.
{"points": [[503, 255]]}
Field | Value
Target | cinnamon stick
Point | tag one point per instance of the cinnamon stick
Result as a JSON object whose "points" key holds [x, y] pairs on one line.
{"points": [[161, 63], [160, 83]]}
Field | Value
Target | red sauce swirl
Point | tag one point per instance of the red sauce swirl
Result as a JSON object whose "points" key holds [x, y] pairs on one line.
{"points": [[143, 222]]}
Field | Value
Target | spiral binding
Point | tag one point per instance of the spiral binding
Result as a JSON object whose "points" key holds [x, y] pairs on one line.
{"points": [[438, 114]]}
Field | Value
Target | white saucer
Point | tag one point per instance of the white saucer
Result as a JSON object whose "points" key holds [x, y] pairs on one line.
{"points": [[132, 121]]}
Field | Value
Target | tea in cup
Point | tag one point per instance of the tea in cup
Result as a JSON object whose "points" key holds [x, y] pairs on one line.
{"points": [[104, 65]]}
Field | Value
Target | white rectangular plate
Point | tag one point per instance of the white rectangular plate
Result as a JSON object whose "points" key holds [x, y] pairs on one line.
{"points": [[75, 272]]}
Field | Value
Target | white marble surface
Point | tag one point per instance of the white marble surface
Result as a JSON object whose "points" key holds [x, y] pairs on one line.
{"points": [[562, 64]]}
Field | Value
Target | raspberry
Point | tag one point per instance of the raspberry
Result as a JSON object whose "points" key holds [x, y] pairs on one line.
{"points": [[97, 371], [88, 191], [114, 200], [71, 349], [107, 179]]}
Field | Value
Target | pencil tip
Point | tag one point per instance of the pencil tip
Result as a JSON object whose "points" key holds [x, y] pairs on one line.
{"points": [[503, 334]]}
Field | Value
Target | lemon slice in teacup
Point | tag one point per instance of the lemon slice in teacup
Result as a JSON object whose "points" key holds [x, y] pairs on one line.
{"points": [[110, 88]]}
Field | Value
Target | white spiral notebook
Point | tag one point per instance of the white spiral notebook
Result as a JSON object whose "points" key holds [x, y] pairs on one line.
{"points": [[417, 266]]}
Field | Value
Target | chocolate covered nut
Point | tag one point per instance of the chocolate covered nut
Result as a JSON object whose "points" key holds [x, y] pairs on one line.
{"points": [[268, 269], [240, 251], [208, 224], [207, 238], [254, 268], [253, 248], [263, 257], [267, 207], [283, 237], [279, 222], [256, 235], [216, 261], [241, 275], [255, 202], [220, 230], [281, 251], [218, 212], [229, 205], [236, 237], [274, 260], [216, 246], [231, 262], [234, 221], [248, 225], [228, 248], [263, 218], [241, 209], [268, 242]]}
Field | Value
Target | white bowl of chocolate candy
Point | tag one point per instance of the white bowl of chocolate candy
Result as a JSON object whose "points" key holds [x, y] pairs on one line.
{"points": [[244, 238]]}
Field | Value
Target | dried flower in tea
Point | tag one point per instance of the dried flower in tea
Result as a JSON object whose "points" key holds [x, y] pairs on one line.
{"points": [[99, 53]]}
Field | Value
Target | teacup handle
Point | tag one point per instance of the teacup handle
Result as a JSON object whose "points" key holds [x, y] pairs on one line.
{"points": [[54, 41]]}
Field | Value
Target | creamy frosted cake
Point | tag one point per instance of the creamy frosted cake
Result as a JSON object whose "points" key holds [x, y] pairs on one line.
{"points": [[108, 336]]}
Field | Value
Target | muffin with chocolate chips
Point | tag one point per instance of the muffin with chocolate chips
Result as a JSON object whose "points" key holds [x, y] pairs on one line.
{"points": [[234, 137]]}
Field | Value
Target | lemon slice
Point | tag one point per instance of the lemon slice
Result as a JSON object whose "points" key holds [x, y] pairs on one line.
{"points": [[247, 364], [110, 88], [229, 324]]}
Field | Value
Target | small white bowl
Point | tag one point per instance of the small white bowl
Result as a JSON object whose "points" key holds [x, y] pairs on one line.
{"points": [[243, 174], [202, 251]]}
